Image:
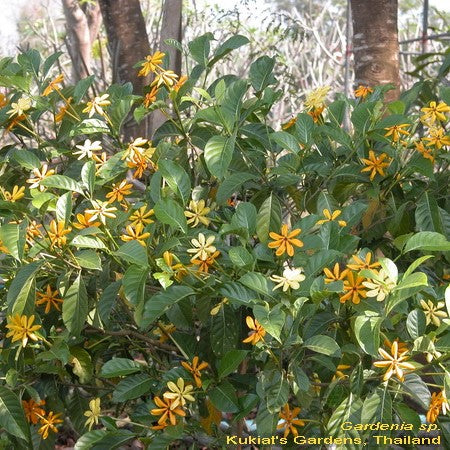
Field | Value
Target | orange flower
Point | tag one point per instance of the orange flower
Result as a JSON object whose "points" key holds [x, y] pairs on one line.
{"points": [[33, 230], [316, 113], [438, 402], [402, 346], [57, 233], [166, 411], [394, 362], [63, 110], [33, 411], [150, 97], [14, 122], [204, 265], [285, 241], [354, 289], [335, 275], [180, 83], [50, 298], [119, 190], [289, 124], [359, 264], [427, 153], [53, 85], [290, 420], [48, 423], [85, 221], [151, 63], [363, 91], [195, 369], [375, 164], [258, 332]]}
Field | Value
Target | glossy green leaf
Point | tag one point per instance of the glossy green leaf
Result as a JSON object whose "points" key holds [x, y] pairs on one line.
{"points": [[75, 306]]}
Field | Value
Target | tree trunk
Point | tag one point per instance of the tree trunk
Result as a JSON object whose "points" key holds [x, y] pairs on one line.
{"points": [[79, 39], [375, 44], [128, 44], [171, 28]]}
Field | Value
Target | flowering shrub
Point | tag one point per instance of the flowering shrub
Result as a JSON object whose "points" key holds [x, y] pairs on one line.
{"points": [[224, 278]]}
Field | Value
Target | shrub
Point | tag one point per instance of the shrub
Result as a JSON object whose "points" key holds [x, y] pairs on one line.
{"points": [[167, 290]]}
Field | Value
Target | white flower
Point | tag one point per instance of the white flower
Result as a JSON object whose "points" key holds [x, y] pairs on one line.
{"points": [[380, 286], [291, 278], [87, 149], [202, 247], [97, 105], [22, 105]]}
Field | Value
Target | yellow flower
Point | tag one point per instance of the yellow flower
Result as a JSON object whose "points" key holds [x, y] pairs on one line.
{"points": [[50, 298], [166, 411], [291, 279], [316, 98], [16, 194], [14, 122], [335, 275], [33, 411], [427, 153], [97, 105], [339, 372], [258, 332], [375, 164], [163, 331], [178, 268], [330, 216], [289, 124], [290, 420], [316, 113], [59, 116], [3, 249], [18, 108], [198, 212], [41, 174], [394, 362], [195, 369], [402, 346], [93, 414], [285, 241], [437, 138], [119, 191], [438, 402], [203, 247], [99, 161], [363, 91], [48, 423], [150, 97], [205, 264], [3, 100], [435, 112], [180, 83], [21, 328], [141, 216], [179, 393], [57, 233], [353, 289], [433, 312], [33, 230], [166, 77], [151, 63], [53, 85], [85, 221], [135, 234], [135, 147], [359, 264], [396, 131]]}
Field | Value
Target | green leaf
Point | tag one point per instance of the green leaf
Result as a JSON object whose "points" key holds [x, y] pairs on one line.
{"points": [[88, 259], [133, 283], [12, 417], [377, 407], [218, 154], [64, 208], [241, 257], [82, 364], [413, 266], [25, 158], [231, 185], [304, 127], [168, 211], [324, 345], [75, 306], [230, 362], [88, 176], [417, 388], [428, 215], [230, 44], [367, 332], [62, 182], [82, 87], [245, 217], [261, 73], [416, 323], [89, 439], [87, 242], [158, 304], [276, 390], [272, 320], [412, 280], [224, 398], [199, 48], [119, 367], [133, 252], [269, 218], [108, 300], [10, 235], [177, 179], [427, 241], [22, 291], [224, 331], [89, 126], [257, 282], [348, 411], [132, 387], [286, 141]]}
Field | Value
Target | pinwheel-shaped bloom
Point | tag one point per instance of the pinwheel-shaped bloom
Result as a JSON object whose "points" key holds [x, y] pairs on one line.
{"points": [[395, 363]]}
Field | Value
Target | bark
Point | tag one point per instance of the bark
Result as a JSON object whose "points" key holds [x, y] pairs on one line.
{"points": [[375, 44], [79, 39], [171, 28], [128, 44]]}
